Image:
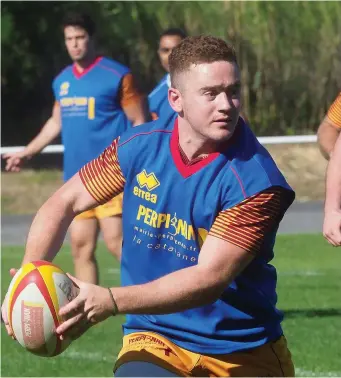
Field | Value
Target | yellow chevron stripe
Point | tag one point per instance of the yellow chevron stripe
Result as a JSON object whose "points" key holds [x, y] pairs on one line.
{"points": [[47, 274], [27, 268]]}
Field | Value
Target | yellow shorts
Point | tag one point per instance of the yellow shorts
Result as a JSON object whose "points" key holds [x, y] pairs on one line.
{"points": [[109, 209], [270, 360]]}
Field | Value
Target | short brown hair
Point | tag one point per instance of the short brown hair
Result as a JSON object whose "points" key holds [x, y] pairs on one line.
{"points": [[199, 49], [82, 20]]}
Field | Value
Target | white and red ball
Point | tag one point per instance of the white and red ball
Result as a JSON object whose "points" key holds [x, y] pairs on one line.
{"points": [[36, 293]]}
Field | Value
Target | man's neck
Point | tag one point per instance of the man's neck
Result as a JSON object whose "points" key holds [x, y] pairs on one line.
{"points": [[192, 144], [82, 65]]}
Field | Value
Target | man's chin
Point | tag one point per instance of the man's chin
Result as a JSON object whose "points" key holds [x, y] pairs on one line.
{"points": [[78, 58], [223, 135]]}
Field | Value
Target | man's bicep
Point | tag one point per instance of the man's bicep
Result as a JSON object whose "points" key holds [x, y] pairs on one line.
{"points": [[77, 196], [334, 113], [103, 177], [223, 259], [248, 223], [329, 124]]}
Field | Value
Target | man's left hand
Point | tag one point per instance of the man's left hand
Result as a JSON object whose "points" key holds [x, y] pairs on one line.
{"points": [[92, 305]]}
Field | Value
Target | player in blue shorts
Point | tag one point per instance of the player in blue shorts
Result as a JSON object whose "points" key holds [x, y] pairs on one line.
{"points": [[202, 204], [96, 101], [158, 98]]}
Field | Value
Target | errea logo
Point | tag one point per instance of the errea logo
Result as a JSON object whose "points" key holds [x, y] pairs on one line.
{"points": [[146, 181], [64, 88]]}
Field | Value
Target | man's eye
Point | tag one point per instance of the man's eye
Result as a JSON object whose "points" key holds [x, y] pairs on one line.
{"points": [[211, 94]]}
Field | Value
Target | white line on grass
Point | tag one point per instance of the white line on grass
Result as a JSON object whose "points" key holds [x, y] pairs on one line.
{"points": [[308, 373], [302, 273], [93, 356]]}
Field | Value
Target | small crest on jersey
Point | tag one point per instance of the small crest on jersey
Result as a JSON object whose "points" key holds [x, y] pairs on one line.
{"points": [[64, 88], [147, 180]]}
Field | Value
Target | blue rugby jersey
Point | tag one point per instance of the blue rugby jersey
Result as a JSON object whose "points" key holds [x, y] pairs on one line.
{"points": [[169, 207], [91, 113], [159, 104]]}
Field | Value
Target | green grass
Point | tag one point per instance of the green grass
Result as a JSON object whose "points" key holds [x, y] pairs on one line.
{"points": [[309, 292]]}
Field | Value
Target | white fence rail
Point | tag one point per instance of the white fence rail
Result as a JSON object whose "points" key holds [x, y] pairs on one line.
{"points": [[294, 139]]}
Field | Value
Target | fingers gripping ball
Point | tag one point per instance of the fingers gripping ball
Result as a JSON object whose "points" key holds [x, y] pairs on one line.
{"points": [[36, 293]]}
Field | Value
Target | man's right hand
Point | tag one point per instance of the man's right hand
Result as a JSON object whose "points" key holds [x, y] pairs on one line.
{"points": [[332, 227], [14, 160], [4, 317]]}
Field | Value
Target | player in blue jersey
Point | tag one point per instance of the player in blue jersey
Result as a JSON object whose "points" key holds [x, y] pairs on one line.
{"points": [[96, 101], [202, 204], [158, 98]]}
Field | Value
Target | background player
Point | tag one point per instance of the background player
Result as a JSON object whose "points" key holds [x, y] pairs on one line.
{"points": [[330, 128], [332, 208], [158, 98], [205, 185], [96, 101]]}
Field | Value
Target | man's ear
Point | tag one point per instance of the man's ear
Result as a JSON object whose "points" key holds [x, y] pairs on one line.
{"points": [[175, 99]]}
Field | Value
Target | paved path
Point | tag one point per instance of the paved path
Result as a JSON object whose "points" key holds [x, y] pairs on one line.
{"points": [[301, 218]]}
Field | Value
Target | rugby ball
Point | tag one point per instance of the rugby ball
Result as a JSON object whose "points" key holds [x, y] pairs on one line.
{"points": [[36, 293]]}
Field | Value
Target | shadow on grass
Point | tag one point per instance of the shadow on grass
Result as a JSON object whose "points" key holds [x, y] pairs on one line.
{"points": [[312, 313]]}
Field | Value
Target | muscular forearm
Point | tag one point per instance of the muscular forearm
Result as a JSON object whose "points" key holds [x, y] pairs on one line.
{"points": [[49, 132], [333, 182], [184, 289], [48, 230]]}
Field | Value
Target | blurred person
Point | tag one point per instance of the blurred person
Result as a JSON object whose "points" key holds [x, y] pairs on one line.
{"points": [[330, 127], [158, 98], [95, 101], [332, 208], [203, 202]]}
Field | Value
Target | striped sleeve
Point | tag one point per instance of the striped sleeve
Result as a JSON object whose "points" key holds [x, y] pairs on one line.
{"points": [[247, 223], [334, 112], [103, 177]]}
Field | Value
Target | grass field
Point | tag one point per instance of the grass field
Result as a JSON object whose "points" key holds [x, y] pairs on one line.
{"points": [[309, 291]]}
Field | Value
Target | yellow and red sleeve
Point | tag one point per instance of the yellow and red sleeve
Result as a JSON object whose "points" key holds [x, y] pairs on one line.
{"points": [[246, 224], [103, 177], [334, 112], [129, 94]]}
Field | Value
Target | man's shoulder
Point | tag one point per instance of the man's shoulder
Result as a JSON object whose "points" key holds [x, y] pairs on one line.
{"points": [[112, 66], [252, 164], [64, 74], [147, 133], [161, 86]]}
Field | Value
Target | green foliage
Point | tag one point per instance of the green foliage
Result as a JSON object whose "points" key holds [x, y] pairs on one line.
{"points": [[289, 53]]}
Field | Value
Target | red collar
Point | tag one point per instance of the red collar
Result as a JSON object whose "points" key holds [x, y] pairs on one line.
{"points": [[187, 170], [79, 74]]}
